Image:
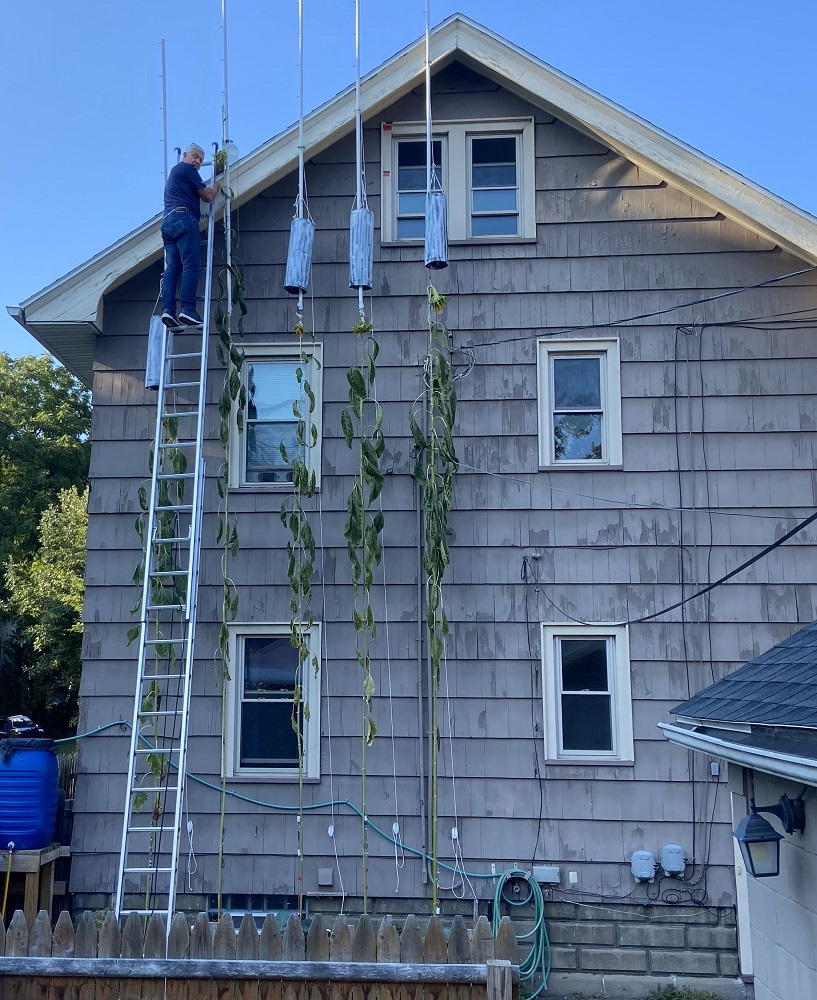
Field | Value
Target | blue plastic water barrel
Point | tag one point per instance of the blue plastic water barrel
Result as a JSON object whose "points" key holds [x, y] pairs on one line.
{"points": [[28, 793]]}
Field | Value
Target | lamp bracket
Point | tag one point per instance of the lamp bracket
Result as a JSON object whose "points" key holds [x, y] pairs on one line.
{"points": [[790, 812]]}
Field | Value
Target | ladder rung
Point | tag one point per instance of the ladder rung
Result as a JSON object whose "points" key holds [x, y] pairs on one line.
{"points": [[161, 677], [155, 789], [176, 475], [148, 871], [173, 506], [174, 539], [142, 913], [157, 712], [181, 385], [165, 750], [180, 413], [168, 572], [162, 642], [189, 354], [179, 444], [150, 829]]}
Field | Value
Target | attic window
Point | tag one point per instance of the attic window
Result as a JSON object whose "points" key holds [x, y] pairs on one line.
{"points": [[486, 169]]}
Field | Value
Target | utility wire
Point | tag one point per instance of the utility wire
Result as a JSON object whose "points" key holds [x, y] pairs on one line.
{"points": [[730, 574], [649, 315]]}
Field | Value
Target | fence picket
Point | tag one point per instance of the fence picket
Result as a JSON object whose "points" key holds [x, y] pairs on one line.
{"points": [[178, 946], [85, 941], [246, 944], [340, 947], [246, 949], [506, 946], [269, 947], [482, 942], [364, 942], [110, 946], [317, 940], [269, 950], [435, 949], [293, 945], [133, 946], [201, 940], [388, 941]]}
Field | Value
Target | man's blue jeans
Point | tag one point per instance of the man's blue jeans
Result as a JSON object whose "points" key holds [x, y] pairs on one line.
{"points": [[182, 240]]}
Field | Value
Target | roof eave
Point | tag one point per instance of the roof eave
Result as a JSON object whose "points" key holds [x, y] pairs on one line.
{"points": [[781, 765], [641, 142], [72, 344]]}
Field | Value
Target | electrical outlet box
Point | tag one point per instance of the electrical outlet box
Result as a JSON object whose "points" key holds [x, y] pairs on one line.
{"points": [[547, 874], [573, 877], [325, 877]]}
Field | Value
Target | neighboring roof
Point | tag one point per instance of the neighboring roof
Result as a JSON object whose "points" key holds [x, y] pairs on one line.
{"points": [[763, 716], [67, 316], [778, 688]]}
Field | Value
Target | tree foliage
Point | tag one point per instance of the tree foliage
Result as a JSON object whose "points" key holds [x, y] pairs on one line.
{"points": [[45, 423], [46, 594]]}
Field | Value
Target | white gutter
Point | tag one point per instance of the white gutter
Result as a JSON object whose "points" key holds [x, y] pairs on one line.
{"points": [[781, 764]]}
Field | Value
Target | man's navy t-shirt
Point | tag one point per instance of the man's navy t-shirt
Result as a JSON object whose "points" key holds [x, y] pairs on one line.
{"points": [[182, 188]]}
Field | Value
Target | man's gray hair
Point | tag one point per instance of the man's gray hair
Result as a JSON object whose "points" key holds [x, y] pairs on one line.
{"points": [[193, 146]]}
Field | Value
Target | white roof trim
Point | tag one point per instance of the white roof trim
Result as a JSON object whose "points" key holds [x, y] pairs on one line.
{"points": [[77, 297], [771, 762]]}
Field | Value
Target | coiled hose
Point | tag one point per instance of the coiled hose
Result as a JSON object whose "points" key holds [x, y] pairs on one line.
{"points": [[538, 959]]}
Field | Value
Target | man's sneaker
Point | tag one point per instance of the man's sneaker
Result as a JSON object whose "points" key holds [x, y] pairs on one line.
{"points": [[189, 317], [169, 319]]}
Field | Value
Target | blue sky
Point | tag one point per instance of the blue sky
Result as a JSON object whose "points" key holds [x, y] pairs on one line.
{"points": [[81, 106]]}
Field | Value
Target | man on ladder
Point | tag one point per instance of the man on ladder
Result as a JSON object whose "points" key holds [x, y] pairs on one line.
{"points": [[181, 237]]}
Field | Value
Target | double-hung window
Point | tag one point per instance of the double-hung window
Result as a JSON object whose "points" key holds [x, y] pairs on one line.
{"points": [[587, 693], [266, 676], [278, 384], [485, 168], [579, 403]]}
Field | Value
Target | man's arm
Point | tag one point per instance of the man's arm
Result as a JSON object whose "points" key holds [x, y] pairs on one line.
{"points": [[209, 194]]}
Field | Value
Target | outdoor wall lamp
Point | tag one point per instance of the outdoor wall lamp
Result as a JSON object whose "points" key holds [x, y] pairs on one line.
{"points": [[758, 839]]}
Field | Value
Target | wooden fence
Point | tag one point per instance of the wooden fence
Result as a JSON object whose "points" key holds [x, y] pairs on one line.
{"points": [[209, 961]]}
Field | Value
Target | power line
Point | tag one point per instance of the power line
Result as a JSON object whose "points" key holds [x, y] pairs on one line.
{"points": [[648, 315]]}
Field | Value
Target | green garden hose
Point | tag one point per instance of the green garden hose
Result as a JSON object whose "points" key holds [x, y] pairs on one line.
{"points": [[538, 959]]}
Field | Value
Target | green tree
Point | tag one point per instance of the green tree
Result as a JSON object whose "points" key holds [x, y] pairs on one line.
{"points": [[46, 593], [45, 423]]}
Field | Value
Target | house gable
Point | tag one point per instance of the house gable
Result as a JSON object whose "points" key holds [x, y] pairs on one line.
{"points": [[68, 315]]}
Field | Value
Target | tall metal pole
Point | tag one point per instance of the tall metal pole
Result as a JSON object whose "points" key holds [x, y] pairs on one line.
{"points": [[358, 123], [428, 97], [225, 145], [164, 111], [300, 109]]}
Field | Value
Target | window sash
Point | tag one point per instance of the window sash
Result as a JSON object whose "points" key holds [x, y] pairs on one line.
{"points": [[571, 719], [273, 392], [260, 733], [570, 424], [410, 188], [486, 219]]}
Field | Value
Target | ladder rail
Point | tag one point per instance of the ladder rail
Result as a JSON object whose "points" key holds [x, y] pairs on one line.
{"points": [[143, 623], [164, 859]]}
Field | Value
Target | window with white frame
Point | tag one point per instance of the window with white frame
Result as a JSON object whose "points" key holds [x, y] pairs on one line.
{"points": [[264, 677], [587, 693], [486, 169], [275, 397], [579, 403]]}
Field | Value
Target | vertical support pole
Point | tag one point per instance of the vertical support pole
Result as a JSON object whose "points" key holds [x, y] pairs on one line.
{"points": [[499, 982], [428, 97], [225, 145], [164, 111]]}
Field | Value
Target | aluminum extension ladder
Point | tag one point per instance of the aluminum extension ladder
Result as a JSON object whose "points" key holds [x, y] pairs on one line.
{"points": [[151, 831]]}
